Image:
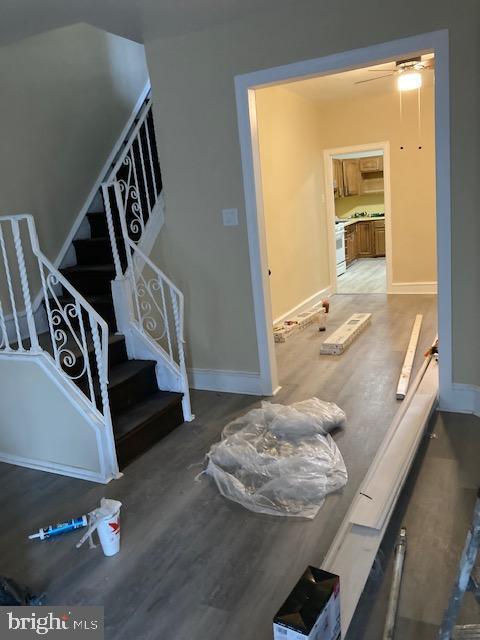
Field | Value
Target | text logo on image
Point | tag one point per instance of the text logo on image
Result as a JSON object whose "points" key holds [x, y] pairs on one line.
{"points": [[24, 623]]}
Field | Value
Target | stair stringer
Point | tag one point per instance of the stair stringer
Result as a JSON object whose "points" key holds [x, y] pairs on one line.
{"points": [[139, 347], [105, 445]]}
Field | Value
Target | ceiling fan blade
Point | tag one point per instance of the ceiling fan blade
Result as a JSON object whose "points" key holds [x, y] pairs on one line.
{"points": [[389, 75]]}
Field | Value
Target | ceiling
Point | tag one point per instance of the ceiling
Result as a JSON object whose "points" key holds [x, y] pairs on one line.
{"points": [[134, 19], [341, 86]]}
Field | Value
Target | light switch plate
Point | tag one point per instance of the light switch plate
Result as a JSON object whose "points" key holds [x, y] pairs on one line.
{"points": [[230, 217]]}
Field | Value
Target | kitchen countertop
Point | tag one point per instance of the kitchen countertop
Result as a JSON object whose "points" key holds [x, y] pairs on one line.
{"points": [[362, 219]]}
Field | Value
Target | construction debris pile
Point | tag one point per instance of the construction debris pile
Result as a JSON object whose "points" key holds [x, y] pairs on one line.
{"points": [[280, 460], [317, 314]]}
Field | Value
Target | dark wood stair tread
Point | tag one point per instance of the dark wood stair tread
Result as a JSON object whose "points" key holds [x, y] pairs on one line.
{"points": [[91, 298], [96, 240], [142, 413], [120, 373], [85, 268], [45, 341]]}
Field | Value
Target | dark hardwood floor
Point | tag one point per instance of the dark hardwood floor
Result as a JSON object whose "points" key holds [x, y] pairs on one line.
{"points": [[192, 565]]}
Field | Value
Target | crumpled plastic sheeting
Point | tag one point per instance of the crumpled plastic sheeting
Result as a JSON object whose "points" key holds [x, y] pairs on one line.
{"points": [[280, 460]]}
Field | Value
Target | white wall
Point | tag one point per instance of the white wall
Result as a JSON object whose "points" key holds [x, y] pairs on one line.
{"points": [[47, 429], [66, 95], [196, 118]]}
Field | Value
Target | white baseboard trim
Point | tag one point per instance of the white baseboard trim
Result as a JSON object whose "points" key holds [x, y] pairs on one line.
{"points": [[461, 398], [305, 304], [243, 382], [413, 287], [53, 467]]}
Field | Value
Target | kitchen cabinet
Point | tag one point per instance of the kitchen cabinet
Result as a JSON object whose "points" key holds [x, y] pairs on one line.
{"points": [[351, 178], [350, 244], [372, 184], [365, 240], [357, 176], [374, 163], [379, 238], [338, 188]]}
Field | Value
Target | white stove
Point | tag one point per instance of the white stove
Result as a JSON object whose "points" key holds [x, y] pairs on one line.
{"points": [[340, 247]]}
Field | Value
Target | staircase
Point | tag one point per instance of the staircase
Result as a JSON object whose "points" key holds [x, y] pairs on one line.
{"points": [[121, 351], [141, 413]]}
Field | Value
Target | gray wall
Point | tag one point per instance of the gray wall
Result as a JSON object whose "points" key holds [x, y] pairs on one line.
{"points": [[66, 96], [194, 101]]}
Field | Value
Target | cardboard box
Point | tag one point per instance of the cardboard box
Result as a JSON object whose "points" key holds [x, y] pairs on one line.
{"points": [[312, 610]]}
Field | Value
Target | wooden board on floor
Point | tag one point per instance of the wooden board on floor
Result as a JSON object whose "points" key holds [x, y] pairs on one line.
{"points": [[406, 372], [355, 546], [340, 339]]}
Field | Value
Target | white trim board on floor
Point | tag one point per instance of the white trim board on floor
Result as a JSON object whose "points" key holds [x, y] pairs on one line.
{"points": [[306, 304], [245, 85], [353, 551]]}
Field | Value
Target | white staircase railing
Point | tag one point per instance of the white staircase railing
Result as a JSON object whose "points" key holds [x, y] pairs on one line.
{"points": [[77, 337], [151, 313]]}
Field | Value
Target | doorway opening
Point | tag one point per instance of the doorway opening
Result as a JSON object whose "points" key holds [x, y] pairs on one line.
{"points": [[358, 200], [248, 89]]}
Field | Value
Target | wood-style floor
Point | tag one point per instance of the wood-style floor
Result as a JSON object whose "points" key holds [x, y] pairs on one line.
{"points": [[365, 275], [194, 566], [436, 507]]}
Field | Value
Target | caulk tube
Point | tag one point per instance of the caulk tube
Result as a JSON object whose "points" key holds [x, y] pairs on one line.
{"points": [[61, 527]]}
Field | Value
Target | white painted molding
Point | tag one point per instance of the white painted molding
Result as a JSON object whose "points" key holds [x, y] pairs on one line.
{"points": [[245, 85], [243, 382], [52, 467], [354, 548], [101, 176], [413, 287], [107, 455], [305, 305], [461, 398]]}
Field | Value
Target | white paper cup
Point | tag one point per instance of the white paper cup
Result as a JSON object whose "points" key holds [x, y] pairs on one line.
{"points": [[109, 534]]}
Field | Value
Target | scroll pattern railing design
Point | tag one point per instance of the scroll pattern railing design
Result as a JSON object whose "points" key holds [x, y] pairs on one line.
{"points": [[131, 195], [77, 337]]}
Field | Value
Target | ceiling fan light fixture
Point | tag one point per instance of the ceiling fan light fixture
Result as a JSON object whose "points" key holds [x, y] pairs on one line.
{"points": [[409, 80]]}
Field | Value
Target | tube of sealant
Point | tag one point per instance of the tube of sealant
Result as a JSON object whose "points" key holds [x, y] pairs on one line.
{"points": [[61, 527]]}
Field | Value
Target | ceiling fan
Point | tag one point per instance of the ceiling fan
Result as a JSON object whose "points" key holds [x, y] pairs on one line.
{"points": [[408, 72]]}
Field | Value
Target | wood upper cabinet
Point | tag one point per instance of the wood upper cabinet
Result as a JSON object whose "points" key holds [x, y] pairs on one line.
{"points": [[373, 163], [338, 188], [351, 177], [365, 243], [379, 237]]}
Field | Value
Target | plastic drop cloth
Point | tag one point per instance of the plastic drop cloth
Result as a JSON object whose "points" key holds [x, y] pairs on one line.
{"points": [[280, 460]]}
